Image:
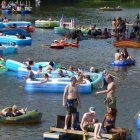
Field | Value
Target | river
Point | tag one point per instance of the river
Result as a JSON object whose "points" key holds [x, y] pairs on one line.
{"points": [[97, 53]]}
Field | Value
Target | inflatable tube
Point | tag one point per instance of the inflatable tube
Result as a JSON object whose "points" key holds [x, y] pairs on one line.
{"points": [[3, 69], [7, 50], [2, 25], [22, 71], [30, 117], [13, 65], [13, 39], [46, 24], [6, 11], [18, 23], [123, 63], [55, 85], [62, 31], [54, 73], [71, 45], [14, 31], [57, 46], [127, 43], [110, 9], [97, 80], [138, 121], [44, 64], [28, 29]]}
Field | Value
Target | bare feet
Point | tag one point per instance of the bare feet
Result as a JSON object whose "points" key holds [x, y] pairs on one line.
{"points": [[72, 128], [65, 128], [99, 137]]}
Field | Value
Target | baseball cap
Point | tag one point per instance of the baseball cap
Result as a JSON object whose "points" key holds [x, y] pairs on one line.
{"points": [[92, 109]]}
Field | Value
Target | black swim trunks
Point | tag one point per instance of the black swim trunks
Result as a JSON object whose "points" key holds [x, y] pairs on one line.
{"points": [[72, 106]]}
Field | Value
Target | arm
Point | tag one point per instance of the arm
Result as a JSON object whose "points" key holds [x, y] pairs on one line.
{"points": [[82, 124], [29, 74], [6, 109], [106, 91], [65, 96], [45, 81], [103, 123], [81, 82], [114, 121], [78, 98]]}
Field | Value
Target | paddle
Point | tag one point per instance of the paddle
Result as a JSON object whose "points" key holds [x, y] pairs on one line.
{"points": [[44, 45]]}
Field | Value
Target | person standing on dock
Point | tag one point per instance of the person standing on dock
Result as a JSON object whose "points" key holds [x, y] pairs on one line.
{"points": [[110, 100], [71, 100]]}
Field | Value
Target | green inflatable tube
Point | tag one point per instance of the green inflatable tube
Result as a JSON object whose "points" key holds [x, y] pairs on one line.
{"points": [[29, 117]]}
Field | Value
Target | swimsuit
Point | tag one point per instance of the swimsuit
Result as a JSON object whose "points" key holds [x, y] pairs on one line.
{"points": [[110, 102], [111, 122], [89, 128], [72, 105]]}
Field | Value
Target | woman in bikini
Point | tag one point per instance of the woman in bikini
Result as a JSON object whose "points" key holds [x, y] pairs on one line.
{"points": [[108, 123]]}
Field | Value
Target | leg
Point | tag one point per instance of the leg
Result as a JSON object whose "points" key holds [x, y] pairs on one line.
{"points": [[99, 130], [121, 131], [73, 118], [67, 118], [95, 130]]}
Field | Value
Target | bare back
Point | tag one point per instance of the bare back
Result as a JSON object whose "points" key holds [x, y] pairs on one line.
{"points": [[117, 56]]}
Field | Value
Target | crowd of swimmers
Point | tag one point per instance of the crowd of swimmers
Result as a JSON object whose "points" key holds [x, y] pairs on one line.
{"points": [[93, 32], [82, 76], [14, 6], [121, 29]]}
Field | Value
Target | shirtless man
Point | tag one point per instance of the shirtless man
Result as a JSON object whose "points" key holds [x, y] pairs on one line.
{"points": [[110, 100], [49, 68], [71, 100], [117, 55], [88, 123]]}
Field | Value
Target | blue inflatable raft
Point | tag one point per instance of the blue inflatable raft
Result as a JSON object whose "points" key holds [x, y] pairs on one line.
{"points": [[15, 31], [13, 65], [14, 39], [123, 62], [54, 85], [7, 49], [18, 23]]}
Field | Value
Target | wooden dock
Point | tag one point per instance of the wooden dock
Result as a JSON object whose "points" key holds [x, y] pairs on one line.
{"points": [[77, 132], [58, 133]]}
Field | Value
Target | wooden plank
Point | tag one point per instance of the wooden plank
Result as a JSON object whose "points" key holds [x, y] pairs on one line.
{"points": [[53, 135], [109, 136]]}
